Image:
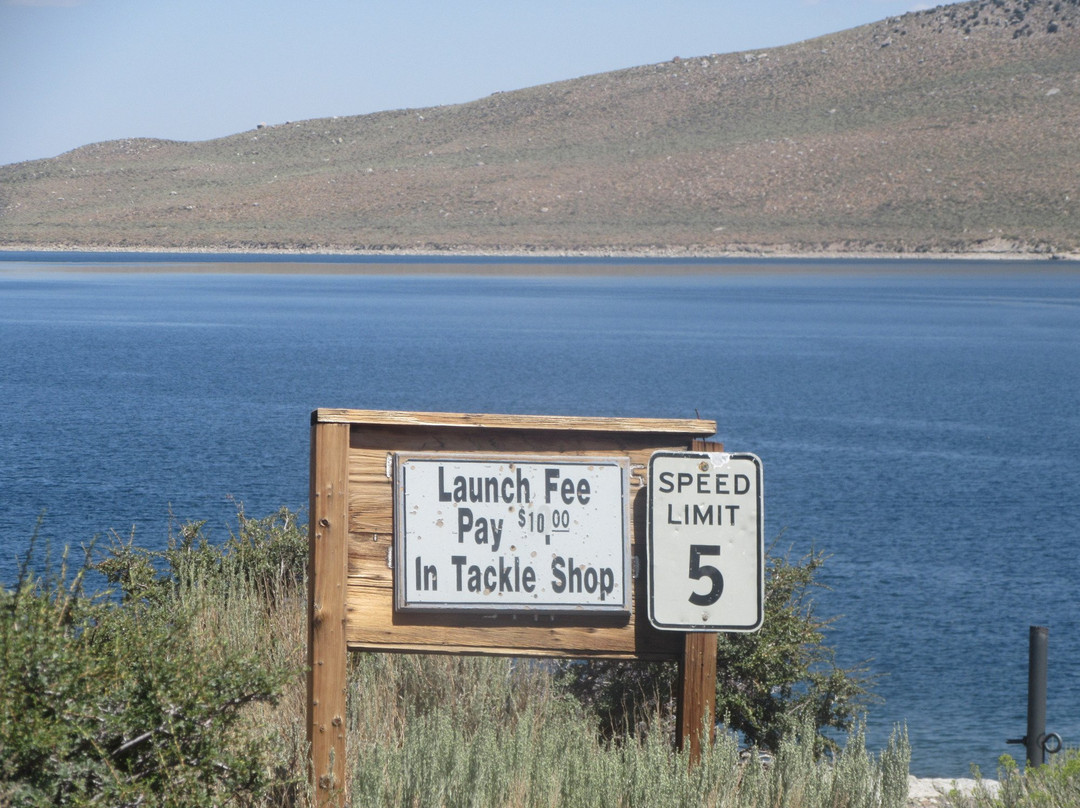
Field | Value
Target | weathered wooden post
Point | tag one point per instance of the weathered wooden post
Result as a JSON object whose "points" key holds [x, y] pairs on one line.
{"points": [[327, 561], [502, 535], [697, 676], [697, 693]]}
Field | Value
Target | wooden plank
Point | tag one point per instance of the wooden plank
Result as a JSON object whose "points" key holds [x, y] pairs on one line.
{"points": [[370, 560], [508, 441], [372, 623], [683, 426], [371, 492], [374, 626], [327, 649]]}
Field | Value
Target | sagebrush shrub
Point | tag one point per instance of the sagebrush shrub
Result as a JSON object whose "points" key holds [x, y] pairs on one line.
{"points": [[139, 700]]}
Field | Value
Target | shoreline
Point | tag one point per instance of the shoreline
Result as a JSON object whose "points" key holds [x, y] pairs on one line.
{"points": [[524, 262], [930, 792], [993, 250]]}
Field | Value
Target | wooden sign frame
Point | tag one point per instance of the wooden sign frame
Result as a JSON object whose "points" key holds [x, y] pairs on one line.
{"points": [[350, 575]]}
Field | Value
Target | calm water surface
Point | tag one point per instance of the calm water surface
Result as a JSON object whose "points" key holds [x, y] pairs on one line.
{"points": [[917, 422]]}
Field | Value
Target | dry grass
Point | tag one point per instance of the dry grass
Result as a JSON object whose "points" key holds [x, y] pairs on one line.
{"points": [[154, 667]]}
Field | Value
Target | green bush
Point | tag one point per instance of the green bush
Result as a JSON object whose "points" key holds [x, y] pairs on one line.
{"points": [[270, 554], [775, 679], [143, 700], [1055, 785], [769, 682], [184, 687]]}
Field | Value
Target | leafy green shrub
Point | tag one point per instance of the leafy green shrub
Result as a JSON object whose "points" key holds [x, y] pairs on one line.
{"points": [[773, 680], [144, 701], [270, 553], [768, 682]]}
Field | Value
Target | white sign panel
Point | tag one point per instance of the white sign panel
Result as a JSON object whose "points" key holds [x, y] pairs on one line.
{"points": [[706, 546], [536, 534]]}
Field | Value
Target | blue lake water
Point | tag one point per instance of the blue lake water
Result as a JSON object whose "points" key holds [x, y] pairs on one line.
{"points": [[917, 421]]}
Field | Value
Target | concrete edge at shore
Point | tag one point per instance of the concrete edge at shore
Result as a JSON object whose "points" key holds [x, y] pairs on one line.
{"points": [[931, 791]]}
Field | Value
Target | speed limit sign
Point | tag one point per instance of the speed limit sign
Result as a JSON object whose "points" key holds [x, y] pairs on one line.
{"points": [[706, 549]]}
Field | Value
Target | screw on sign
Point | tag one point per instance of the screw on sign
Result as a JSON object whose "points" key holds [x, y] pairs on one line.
{"points": [[706, 549]]}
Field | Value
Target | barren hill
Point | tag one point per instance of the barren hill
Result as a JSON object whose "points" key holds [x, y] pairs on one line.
{"points": [[955, 129]]}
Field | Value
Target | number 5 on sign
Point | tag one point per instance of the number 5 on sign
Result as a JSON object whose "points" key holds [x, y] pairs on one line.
{"points": [[706, 548]]}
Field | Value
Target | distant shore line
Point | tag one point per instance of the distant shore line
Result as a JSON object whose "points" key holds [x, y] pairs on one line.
{"points": [[524, 261]]}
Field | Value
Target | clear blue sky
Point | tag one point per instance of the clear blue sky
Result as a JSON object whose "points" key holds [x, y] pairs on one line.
{"points": [[74, 72]]}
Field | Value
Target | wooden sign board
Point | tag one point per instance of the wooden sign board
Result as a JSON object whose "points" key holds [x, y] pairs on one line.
{"points": [[354, 454]]}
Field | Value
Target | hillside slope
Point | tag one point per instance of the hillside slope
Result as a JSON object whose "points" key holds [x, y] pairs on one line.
{"points": [[954, 129]]}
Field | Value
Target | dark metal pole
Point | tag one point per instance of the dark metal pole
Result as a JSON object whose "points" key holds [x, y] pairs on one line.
{"points": [[1036, 712]]}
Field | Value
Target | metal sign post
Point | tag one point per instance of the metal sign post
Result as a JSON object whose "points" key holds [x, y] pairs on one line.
{"points": [[1038, 742]]}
